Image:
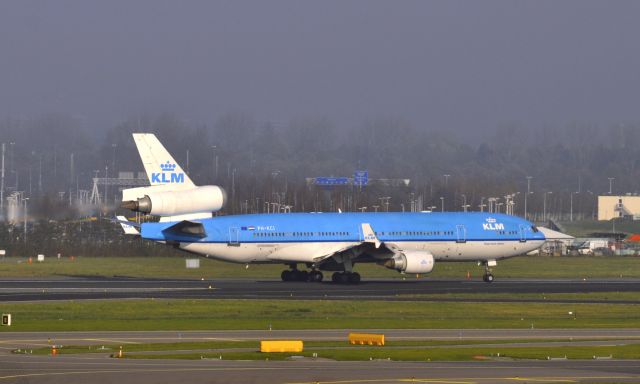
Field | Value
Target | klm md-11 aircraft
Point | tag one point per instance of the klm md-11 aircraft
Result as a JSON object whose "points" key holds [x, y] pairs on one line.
{"points": [[406, 242]]}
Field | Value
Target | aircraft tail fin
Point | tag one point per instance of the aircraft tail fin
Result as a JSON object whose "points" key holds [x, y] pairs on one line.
{"points": [[160, 166]]}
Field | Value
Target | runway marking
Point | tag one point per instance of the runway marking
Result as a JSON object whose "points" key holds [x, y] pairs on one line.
{"points": [[557, 379], [113, 341], [437, 381], [136, 370], [399, 380], [141, 340], [541, 380]]}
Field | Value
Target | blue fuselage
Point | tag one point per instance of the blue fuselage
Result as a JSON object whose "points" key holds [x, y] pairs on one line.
{"points": [[346, 227]]}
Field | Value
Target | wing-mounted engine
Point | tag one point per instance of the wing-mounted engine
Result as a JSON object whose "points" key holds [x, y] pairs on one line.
{"points": [[411, 262], [160, 202]]}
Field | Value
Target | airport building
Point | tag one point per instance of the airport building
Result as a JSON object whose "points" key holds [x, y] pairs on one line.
{"points": [[610, 207]]}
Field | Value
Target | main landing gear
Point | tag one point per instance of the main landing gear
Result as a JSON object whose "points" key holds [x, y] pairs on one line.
{"points": [[346, 277], [315, 276], [294, 274]]}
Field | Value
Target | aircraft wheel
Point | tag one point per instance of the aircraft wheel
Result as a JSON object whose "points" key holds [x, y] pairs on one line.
{"points": [[354, 278], [286, 275], [336, 277], [343, 278], [488, 278], [315, 276], [302, 276]]}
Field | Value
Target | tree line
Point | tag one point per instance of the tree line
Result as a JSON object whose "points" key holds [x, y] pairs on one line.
{"points": [[264, 165]]}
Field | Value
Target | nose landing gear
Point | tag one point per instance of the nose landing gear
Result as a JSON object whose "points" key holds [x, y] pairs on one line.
{"points": [[488, 277]]}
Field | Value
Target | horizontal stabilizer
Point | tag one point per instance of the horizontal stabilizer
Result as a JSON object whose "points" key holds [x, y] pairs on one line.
{"points": [[550, 234], [186, 228], [129, 227]]}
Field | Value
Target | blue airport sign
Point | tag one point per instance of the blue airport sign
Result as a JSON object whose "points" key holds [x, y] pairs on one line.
{"points": [[331, 181], [361, 178]]}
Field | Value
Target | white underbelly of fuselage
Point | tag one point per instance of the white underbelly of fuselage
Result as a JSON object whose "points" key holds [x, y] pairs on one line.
{"points": [[309, 252]]}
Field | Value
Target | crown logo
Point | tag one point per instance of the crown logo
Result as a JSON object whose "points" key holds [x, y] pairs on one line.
{"points": [[491, 220], [168, 167]]}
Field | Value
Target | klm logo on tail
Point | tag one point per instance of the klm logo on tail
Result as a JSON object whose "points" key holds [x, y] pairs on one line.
{"points": [[167, 176], [491, 225]]}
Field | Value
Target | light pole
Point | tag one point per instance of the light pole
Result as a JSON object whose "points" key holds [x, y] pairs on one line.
{"points": [[25, 218], [384, 201], [446, 180], [571, 205], [611, 184], [106, 183], [113, 157], [464, 203], [2, 185], [544, 205], [214, 149], [527, 195], [509, 201], [442, 202], [12, 165], [492, 203]]}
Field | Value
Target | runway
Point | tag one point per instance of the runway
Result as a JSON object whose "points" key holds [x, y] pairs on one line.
{"points": [[100, 369], [75, 288]]}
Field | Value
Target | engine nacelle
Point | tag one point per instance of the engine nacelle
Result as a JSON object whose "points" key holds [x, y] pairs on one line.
{"points": [[411, 262], [208, 198]]}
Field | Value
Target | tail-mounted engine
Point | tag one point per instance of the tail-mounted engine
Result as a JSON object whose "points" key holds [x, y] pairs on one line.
{"points": [[208, 198]]}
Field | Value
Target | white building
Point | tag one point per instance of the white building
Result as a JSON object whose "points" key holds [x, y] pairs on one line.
{"points": [[610, 207]]}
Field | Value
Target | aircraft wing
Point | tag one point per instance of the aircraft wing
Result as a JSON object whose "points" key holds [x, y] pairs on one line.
{"points": [[321, 252], [309, 252]]}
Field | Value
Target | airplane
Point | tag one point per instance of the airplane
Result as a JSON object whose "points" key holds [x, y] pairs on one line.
{"points": [[409, 242]]}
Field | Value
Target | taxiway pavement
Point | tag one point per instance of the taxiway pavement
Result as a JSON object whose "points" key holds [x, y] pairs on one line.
{"points": [[409, 289], [100, 369], [27, 340]]}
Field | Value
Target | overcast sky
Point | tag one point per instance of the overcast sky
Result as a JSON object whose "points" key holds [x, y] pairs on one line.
{"points": [[455, 65]]}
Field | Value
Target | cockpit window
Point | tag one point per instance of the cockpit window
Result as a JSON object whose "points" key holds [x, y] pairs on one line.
{"points": [[534, 229]]}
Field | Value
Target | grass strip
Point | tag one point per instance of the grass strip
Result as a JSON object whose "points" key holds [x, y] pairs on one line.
{"points": [[176, 315], [581, 296], [631, 351], [255, 344], [577, 267]]}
